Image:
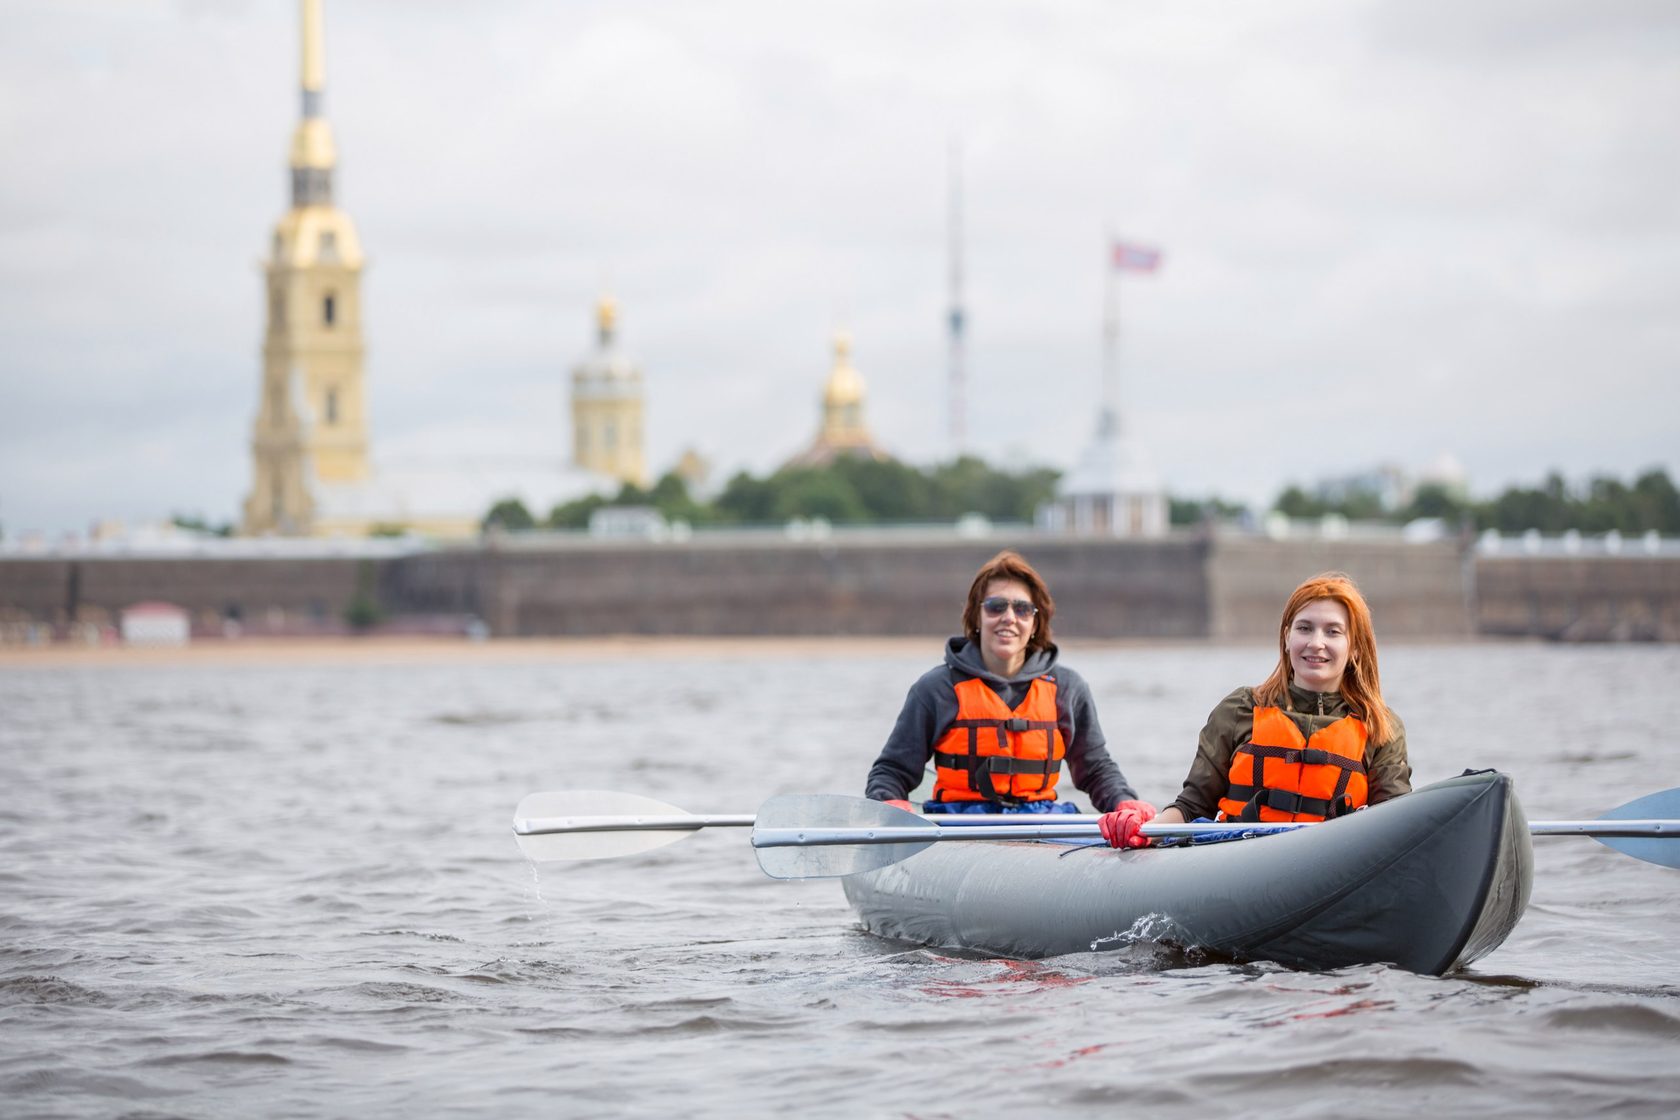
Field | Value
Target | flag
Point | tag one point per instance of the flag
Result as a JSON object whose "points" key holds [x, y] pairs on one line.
{"points": [[1135, 258]]}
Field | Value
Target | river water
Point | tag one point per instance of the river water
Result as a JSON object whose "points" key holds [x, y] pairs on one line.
{"points": [[291, 890]]}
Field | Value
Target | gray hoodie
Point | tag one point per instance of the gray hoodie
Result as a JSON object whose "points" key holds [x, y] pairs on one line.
{"points": [[931, 706]]}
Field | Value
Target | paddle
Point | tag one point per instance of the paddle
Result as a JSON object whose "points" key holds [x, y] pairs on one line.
{"points": [[1632, 829], [599, 824], [819, 835], [805, 836]]}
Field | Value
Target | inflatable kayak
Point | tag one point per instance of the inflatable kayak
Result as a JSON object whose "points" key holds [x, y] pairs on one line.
{"points": [[1428, 882]]}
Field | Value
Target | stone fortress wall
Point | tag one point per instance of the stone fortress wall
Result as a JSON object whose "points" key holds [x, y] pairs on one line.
{"points": [[1183, 587]]}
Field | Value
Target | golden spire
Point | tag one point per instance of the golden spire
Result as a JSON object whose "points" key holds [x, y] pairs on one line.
{"points": [[314, 54], [313, 154], [606, 317]]}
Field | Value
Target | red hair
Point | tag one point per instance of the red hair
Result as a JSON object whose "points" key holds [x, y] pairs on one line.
{"points": [[1361, 684], [1010, 565]]}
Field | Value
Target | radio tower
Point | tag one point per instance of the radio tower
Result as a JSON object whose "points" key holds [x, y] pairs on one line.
{"points": [[955, 360]]}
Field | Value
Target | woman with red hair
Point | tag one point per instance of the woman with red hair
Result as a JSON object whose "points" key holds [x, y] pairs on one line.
{"points": [[1314, 740]]}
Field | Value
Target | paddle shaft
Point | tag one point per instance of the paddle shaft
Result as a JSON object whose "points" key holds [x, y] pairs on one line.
{"points": [[686, 822], [1667, 829], [844, 835], [819, 837], [1074, 827], [1067, 825]]}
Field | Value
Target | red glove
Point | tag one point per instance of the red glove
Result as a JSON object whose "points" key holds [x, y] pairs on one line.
{"points": [[1120, 828], [900, 804]]}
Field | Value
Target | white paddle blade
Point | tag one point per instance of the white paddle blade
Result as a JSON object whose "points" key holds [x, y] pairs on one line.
{"points": [[1663, 846], [813, 813], [596, 824]]}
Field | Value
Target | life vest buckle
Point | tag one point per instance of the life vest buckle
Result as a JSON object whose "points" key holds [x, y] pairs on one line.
{"points": [[1281, 800], [1313, 756], [1016, 723]]}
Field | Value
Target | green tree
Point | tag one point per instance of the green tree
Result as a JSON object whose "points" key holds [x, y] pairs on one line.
{"points": [[816, 493], [747, 500], [968, 485], [887, 489], [1603, 504], [1193, 511], [1295, 502], [1018, 496], [197, 524], [509, 515], [961, 486], [1658, 502], [1607, 505], [671, 498], [1432, 499], [1359, 505], [574, 514], [1545, 508]]}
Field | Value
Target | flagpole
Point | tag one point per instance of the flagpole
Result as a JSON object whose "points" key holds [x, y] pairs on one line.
{"points": [[955, 358], [1111, 340]]}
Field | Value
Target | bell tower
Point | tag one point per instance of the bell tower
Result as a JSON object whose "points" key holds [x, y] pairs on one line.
{"points": [[311, 424], [607, 406]]}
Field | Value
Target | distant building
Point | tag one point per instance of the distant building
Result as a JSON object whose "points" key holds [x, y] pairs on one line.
{"points": [[311, 425], [607, 407], [448, 496], [843, 431], [1391, 487], [1113, 490], [695, 470], [155, 624], [1448, 473], [313, 475], [1386, 484]]}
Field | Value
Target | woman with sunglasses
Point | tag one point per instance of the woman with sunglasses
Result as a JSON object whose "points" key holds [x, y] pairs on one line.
{"points": [[1313, 740], [1000, 717]]}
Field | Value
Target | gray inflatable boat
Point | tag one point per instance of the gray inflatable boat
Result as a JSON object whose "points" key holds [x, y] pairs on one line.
{"points": [[1428, 882]]}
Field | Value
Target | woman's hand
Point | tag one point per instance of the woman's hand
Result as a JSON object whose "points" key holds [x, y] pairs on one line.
{"points": [[1120, 827]]}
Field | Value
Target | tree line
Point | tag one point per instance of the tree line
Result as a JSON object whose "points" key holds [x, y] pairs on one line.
{"points": [[849, 491], [1603, 503], [854, 491]]}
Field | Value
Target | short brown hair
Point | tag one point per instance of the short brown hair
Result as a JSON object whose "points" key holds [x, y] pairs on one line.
{"points": [[1010, 565]]}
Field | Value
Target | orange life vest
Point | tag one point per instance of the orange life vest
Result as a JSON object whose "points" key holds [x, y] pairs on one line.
{"points": [[1279, 775], [994, 754]]}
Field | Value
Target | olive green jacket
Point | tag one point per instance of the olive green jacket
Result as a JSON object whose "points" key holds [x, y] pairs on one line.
{"points": [[1231, 724]]}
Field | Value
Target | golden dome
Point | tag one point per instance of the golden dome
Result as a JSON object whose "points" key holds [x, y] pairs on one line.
{"points": [[845, 384]]}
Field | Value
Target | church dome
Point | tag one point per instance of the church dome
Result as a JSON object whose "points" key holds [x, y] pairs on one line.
{"points": [[845, 384]]}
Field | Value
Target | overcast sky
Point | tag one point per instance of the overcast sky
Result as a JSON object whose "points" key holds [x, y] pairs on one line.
{"points": [[1392, 230]]}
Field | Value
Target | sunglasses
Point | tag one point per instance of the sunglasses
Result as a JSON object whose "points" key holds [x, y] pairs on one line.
{"points": [[996, 605]]}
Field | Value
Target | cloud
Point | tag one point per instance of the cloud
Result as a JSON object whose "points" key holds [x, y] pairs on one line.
{"points": [[1391, 230]]}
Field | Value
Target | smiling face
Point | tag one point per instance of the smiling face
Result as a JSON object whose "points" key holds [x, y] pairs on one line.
{"points": [[1004, 637], [1318, 645]]}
